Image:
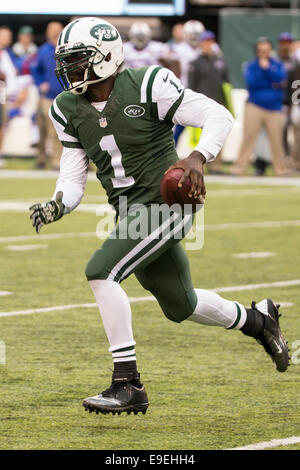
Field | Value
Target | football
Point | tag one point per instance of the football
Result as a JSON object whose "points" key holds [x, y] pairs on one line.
{"points": [[172, 194]]}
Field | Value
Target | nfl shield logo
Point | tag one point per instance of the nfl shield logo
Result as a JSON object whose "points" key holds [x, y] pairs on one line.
{"points": [[103, 122]]}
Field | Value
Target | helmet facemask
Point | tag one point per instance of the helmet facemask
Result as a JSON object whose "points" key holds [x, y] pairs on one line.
{"points": [[74, 67]]}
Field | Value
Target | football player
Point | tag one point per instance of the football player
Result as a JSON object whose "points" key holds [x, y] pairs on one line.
{"points": [[122, 120], [141, 50], [186, 52]]}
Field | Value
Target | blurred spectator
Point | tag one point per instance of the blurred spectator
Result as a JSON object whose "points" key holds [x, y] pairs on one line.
{"points": [[7, 84], [208, 72], [295, 47], [42, 69], [186, 51], [284, 51], [141, 50], [264, 77], [6, 39], [177, 34], [263, 151], [21, 102], [7, 71], [209, 75], [295, 150], [28, 64], [24, 46]]}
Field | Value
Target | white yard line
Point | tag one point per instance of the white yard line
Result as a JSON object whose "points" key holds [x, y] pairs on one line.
{"points": [[102, 198], [28, 174], [230, 180], [92, 203], [50, 236], [253, 254], [4, 293], [19, 206], [152, 299], [57, 308], [269, 444], [252, 180], [271, 191], [264, 224], [238, 225], [214, 193], [25, 247], [295, 282]]}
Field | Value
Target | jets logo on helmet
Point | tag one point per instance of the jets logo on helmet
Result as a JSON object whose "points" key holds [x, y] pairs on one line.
{"points": [[89, 50], [105, 32]]}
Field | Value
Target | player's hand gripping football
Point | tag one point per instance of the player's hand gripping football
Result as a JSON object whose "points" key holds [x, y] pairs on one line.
{"points": [[46, 213], [193, 169]]}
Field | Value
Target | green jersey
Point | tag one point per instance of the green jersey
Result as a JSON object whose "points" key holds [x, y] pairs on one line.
{"points": [[127, 141]]}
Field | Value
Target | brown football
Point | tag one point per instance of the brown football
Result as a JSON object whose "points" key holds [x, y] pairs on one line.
{"points": [[172, 194]]}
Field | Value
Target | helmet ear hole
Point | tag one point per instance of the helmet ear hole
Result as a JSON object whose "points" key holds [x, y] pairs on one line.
{"points": [[108, 57]]}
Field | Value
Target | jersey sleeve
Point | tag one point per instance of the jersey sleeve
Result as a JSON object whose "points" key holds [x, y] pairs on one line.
{"points": [[197, 110], [167, 92], [73, 162], [177, 105], [72, 177], [63, 128]]}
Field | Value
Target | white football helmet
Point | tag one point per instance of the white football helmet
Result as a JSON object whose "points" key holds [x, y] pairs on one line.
{"points": [[140, 34], [85, 45], [192, 31]]}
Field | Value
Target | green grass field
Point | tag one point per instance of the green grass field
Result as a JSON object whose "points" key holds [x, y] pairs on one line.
{"points": [[208, 388]]}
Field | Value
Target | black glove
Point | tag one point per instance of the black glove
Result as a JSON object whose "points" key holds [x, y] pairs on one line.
{"points": [[46, 213]]}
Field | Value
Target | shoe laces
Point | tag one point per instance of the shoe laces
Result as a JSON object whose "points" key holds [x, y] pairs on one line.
{"points": [[113, 388]]}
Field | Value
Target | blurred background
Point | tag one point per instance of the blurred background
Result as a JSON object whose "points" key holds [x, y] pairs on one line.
{"points": [[210, 44]]}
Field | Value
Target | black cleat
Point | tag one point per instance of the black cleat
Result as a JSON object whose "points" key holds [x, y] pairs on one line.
{"points": [[270, 336], [124, 395]]}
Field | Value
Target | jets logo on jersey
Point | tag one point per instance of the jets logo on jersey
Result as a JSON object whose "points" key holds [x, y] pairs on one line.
{"points": [[103, 122], [134, 110], [108, 32]]}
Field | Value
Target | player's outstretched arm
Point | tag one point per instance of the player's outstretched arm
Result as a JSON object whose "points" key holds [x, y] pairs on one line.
{"points": [[47, 213]]}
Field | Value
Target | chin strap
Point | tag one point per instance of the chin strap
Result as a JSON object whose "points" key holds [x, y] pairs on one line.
{"points": [[81, 87]]}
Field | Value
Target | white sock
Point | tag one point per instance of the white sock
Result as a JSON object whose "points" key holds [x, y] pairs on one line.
{"points": [[212, 309], [115, 312]]}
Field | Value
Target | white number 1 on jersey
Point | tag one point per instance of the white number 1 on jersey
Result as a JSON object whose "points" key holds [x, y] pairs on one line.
{"points": [[109, 144]]}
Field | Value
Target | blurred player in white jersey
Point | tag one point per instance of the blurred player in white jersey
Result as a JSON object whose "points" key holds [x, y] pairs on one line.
{"points": [[186, 52], [141, 50], [7, 83]]}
